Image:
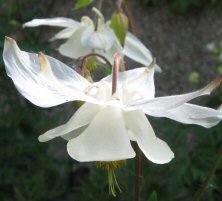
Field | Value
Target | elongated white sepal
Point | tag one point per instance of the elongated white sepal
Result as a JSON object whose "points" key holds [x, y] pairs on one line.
{"points": [[41, 79], [191, 114], [170, 102]]}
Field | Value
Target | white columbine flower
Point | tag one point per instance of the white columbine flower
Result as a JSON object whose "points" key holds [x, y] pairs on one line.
{"points": [[101, 129], [84, 38]]}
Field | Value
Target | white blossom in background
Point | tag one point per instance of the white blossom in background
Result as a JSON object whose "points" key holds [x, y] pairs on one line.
{"points": [[103, 127], [84, 38]]}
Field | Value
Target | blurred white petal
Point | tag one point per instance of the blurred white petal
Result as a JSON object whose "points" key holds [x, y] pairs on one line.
{"points": [[73, 47], [63, 34], [136, 50], [57, 21], [101, 39]]}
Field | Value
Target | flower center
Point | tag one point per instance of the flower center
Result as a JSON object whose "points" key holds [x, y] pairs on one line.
{"points": [[110, 167]]}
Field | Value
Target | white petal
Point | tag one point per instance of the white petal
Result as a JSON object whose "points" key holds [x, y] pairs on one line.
{"points": [[192, 114], [136, 84], [73, 134], [140, 86], [73, 47], [65, 33], [101, 39], [154, 148], [46, 83], [57, 21], [110, 53], [105, 139], [136, 50], [82, 117], [170, 102]]}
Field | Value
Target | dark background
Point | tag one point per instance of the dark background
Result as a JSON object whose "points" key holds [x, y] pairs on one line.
{"points": [[178, 33]]}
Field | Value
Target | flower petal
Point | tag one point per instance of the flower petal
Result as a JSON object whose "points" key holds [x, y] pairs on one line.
{"points": [[110, 53], [105, 139], [57, 21], [140, 85], [154, 148], [136, 84], [136, 50], [170, 102], [43, 80], [101, 39], [63, 34], [191, 114], [82, 117], [73, 47]]}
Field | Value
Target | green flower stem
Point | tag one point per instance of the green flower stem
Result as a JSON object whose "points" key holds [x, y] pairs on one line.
{"points": [[131, 18], [200, 192], [99, 7]]}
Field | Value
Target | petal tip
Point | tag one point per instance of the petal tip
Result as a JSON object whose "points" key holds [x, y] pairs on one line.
{"points": [[43, 138], [44, 62], [214, 84], [8, 41]]}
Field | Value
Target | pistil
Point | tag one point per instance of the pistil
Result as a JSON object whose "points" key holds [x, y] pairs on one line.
{"points": [[115, 72], [110, 167]]}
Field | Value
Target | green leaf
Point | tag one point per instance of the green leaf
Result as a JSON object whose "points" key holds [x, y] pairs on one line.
{"points": [[119, 24], [82, 3], [153, 196]]}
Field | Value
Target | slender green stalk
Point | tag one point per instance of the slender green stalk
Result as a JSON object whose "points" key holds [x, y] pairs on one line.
{"points": [[131, 18], [99, 7], [200, 192]]}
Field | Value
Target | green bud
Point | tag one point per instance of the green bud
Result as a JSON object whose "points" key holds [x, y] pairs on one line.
{"points": [[120, 24]]}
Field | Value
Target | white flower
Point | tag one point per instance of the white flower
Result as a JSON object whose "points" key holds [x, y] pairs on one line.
{"points": [[101, 130], [83, 39]]}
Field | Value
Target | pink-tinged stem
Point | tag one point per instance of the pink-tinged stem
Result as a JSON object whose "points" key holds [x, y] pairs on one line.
{"points": [[115, 72]]}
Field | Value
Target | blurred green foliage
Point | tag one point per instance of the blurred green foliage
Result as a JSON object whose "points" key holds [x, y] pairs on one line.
{"points": [[82, 3], [216, 51], [180, 5], [33, 171]]}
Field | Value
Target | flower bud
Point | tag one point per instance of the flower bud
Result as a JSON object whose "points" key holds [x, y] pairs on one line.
{"points": [[120, 24]]}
